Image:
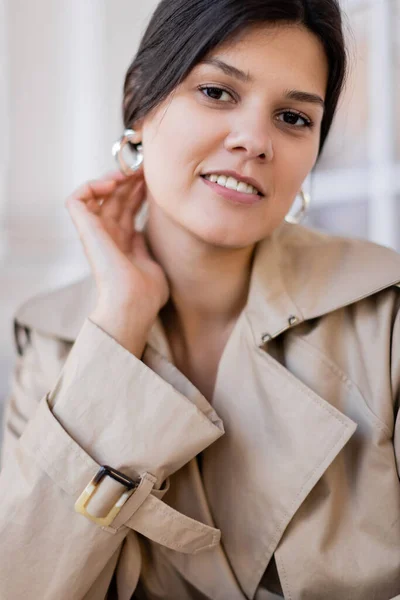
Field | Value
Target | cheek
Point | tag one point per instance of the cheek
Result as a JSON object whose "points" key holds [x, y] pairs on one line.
{"points": [[182, 144], [293, 164], [173, 159]]}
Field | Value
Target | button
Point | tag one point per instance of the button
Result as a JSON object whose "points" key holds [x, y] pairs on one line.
{"points": [[293, 320], [18, 329], [265, 338]]}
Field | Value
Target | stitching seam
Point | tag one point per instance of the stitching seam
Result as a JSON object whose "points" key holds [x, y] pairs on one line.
{"points": [[350, 384]]}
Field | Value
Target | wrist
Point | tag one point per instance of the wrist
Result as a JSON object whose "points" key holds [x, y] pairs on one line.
{"points": [[129, 326]]}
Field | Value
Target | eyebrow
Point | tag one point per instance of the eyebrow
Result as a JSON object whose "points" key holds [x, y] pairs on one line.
{"points": [[228, 69], [232, 71], [304, 97]]}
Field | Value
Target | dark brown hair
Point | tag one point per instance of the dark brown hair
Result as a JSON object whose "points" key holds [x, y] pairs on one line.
{"points": [[182, 32]]}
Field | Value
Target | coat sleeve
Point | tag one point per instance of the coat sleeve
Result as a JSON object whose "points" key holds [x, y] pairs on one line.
{"points": [[106, 407]]}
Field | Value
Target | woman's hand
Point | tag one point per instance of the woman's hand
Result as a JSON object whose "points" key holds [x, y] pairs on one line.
{"points": [[103, 211]]}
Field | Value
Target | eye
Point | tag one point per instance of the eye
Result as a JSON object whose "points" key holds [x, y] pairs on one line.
{"points": [[293, 117], [216, 93]]}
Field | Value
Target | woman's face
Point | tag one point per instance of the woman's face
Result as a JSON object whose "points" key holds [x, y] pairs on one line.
{"points": [[240, 111]]}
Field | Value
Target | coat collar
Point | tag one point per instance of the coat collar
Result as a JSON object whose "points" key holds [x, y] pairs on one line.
{"points": [[298, 274]]}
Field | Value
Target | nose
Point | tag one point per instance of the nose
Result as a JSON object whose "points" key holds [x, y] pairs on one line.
{"points": [[251, 140]]}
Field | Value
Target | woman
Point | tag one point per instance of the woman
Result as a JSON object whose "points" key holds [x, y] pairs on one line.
{"points": [[239, 375]]}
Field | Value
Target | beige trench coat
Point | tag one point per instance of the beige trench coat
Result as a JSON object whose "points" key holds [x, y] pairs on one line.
{"points": [[307, 393]]}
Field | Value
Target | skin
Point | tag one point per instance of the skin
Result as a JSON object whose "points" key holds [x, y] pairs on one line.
{"points": [[203, 242], [194, 270]]}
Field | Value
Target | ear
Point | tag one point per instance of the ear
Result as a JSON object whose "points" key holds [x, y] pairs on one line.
{"points": [[138, 129]]}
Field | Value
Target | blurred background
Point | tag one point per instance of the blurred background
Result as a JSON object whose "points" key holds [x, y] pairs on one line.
{"points": [[62, 66]]}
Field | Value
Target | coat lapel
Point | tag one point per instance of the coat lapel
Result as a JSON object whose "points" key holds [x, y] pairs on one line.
{"points": [[280, 438], [209, 572]]}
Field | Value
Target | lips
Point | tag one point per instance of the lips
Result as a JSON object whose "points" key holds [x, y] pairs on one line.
{"points": [[240, 178], [234, 196]]}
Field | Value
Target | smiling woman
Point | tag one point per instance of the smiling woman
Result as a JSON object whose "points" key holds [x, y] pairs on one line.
{"points": [[224, 421], [250, 112], [156, 72]]}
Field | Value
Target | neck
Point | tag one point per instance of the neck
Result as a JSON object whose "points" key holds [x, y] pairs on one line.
{"points": [[208, 284]]}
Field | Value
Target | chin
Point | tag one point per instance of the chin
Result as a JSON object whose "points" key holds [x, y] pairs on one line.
{"points": [[223, 236]]}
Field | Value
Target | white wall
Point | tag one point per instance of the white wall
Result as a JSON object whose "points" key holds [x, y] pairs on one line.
{"points": [[62, 66]]}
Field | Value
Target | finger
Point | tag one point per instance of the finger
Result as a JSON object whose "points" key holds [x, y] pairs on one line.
{"points": [[98, 192], [95, 240], [93, 190], [132, 206], [103, 186], [95, 205], [114, 175], [116, 203], [139, 247], [117, 175], [136, 195], [81, 215]]}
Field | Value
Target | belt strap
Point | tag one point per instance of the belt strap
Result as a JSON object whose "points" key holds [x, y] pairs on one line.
{"points": [[150, 516]]}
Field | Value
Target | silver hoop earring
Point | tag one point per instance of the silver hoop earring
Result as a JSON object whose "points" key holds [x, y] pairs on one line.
{"points": [[301, 213], [119, 145]]}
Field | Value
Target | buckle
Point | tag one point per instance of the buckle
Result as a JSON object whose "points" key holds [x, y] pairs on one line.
{"points": [[86, 495]]}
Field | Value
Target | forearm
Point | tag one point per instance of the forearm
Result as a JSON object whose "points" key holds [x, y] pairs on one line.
{"points": [[127, 324]]}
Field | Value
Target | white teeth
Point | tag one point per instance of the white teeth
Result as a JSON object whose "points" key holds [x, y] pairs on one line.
{"points": [[232, 183], [243, 187]]}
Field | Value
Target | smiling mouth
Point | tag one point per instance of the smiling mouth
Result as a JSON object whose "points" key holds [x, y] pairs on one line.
{"points": [[233, 184]]}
